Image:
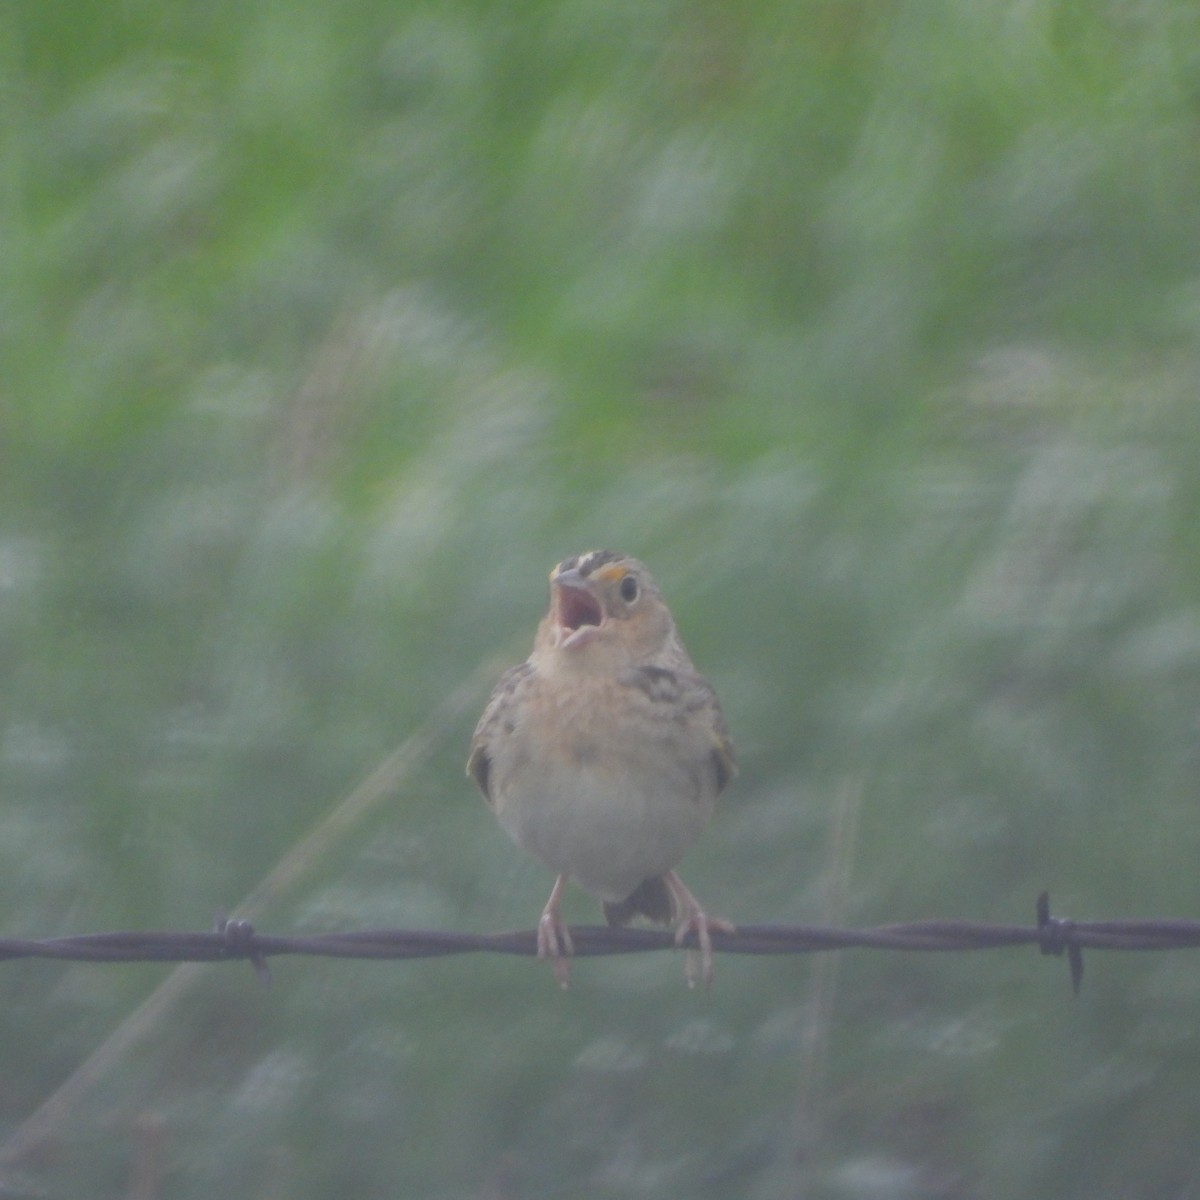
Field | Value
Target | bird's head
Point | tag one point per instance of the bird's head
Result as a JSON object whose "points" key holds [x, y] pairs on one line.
{"points": [[606, 605]]}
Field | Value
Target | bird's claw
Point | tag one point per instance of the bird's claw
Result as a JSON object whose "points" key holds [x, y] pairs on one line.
{"points": [[698, 965], [554, 939]]}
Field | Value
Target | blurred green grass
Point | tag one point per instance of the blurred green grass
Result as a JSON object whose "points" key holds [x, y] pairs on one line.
{"points": [[871, 328]]}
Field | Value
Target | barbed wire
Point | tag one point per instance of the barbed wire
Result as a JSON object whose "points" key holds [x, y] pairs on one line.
{"points": [[235, 940]]}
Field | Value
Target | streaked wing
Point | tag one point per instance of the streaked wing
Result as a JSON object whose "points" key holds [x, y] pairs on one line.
{"points": [[495, 722]]}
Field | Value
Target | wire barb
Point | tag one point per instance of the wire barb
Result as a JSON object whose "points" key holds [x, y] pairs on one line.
{"points": [[240, 943], [1057, 937]]}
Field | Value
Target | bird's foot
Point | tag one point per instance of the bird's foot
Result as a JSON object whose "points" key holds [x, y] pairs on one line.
{"points": [[698, 963], [554, 938]]}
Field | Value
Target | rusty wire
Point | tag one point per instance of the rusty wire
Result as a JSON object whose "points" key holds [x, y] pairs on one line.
{"points": [[234, 940]]}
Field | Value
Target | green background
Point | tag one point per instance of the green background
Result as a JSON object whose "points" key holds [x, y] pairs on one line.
{"points": [[327, 329]]}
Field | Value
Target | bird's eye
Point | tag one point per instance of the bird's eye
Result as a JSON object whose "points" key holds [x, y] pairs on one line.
{"points": [[629, 589]]}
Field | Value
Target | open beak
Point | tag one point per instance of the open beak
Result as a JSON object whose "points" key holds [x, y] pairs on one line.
{"points": [[577, 612]]}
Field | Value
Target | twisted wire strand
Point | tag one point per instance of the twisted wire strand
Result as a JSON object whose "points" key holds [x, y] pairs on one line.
{"points": [[233, 940]]}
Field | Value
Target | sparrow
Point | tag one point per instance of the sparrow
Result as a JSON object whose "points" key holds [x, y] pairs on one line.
{"points": [[603, 754]]}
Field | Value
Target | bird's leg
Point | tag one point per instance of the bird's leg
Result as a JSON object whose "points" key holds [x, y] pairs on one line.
{"points": [[553, 937], [699, 963]]}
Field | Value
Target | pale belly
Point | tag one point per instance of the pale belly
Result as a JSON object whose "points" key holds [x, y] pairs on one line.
{"points": [[607, 827]]}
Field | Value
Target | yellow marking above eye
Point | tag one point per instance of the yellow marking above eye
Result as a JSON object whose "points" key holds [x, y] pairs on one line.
{"points": [[612, 574]]}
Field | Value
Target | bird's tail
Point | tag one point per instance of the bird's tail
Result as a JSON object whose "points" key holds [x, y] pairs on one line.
{"points": [[651, 898]]}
